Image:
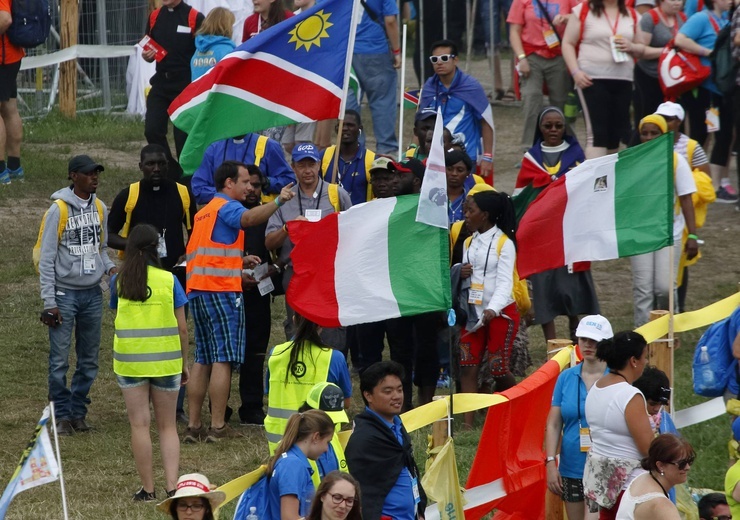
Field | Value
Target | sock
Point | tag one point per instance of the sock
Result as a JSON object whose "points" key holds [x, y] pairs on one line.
{"points": [[2, 166], [15, 162], [724, 181]]}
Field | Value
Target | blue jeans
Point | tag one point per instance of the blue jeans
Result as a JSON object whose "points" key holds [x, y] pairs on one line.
{"points": [[81, 311], [499, 7], [378, 80]]}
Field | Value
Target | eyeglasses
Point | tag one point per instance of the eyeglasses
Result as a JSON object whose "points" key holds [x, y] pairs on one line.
{"points": [[195, 508], [338, 499], [723, 517], [681, 464], [444, 58]]}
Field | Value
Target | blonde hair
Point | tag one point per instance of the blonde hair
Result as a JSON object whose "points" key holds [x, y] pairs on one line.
{"points": [[219, 22]]}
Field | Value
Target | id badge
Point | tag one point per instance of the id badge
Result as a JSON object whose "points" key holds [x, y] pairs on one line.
{"points": [[475, 294], [712, 119], [88, 263], [585, 438], [161, 246], [313, 215], [617, 55], [551, 38], [415, 489]]}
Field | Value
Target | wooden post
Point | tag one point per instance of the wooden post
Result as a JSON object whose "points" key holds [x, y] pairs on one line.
{"points": [[660, 351], [68, 69], [554, 505]]}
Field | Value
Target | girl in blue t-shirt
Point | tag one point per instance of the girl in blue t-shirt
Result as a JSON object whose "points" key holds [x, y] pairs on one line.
{"points": [[290, 488]]}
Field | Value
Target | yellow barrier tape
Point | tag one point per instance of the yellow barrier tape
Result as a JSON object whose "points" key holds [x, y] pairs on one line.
{"points": [[562, 358], [425, 415], [236, 487], [462, 403], [690, 320]]}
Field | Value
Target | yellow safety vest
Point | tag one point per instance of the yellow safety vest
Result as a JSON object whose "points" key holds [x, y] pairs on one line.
{"points": [[284, 400], [336, 444], [369, 158], [147, 340]]}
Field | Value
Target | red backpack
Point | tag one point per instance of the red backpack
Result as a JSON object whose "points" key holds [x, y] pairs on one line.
{"points": [[585, 9], [192, 19]]}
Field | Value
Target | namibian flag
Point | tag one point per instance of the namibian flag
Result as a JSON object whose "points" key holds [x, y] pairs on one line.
{"points": [[411, 98], [295, 72]]}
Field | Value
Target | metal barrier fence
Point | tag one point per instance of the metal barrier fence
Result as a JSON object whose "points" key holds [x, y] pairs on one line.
{"points": [[101, 82]]}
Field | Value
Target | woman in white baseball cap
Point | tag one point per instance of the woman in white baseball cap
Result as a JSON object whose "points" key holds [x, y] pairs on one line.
{"points": [[194, 499], [567, 418]]}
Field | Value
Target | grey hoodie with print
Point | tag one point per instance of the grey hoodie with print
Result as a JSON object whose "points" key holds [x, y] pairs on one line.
{"points": [[61, 263]]}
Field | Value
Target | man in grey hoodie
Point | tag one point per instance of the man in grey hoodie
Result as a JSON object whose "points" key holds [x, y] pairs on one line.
{"points": [[71, 266]]}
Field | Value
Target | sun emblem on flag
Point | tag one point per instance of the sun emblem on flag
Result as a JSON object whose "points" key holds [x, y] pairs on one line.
{"points": [[311, 30]]}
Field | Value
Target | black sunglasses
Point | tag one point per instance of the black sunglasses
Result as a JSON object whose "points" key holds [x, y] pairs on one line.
{"points": [[681, 464]]}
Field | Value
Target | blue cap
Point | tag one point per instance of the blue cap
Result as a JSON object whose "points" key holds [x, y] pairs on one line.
{"points": [[305, 151]]}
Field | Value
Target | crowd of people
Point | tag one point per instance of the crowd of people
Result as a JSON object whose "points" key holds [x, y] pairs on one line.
{"points": [[204, 248]]}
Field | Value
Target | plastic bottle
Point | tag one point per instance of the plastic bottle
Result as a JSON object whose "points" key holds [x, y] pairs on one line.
{"points": [[707, 374], [252, 514]]}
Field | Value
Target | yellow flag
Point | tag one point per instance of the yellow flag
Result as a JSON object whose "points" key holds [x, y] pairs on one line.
{"points": [[442, 485]]}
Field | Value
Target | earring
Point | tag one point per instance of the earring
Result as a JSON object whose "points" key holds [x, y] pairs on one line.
{"points": [[661, 473]]}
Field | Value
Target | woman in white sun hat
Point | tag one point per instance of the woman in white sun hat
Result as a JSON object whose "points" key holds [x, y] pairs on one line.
{"points": [[567, 418], [194, 499]]}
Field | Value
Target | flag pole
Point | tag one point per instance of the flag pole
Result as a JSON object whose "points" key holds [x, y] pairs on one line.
{"points": [[672, 282], [403, 91], [59, 460], [450, 315], [422, 43], [345, 86]]}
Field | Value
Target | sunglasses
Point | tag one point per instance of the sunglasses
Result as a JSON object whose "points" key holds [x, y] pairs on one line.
{"points": [[444, 58], [338, 499], [683, 463]]}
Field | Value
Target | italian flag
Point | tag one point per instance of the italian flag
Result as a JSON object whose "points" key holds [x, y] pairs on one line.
{"points": [[605, 208], [370, 263]]}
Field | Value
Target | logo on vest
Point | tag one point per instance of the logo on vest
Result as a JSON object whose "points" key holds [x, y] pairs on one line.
{"points": [[299, 369], [343, 464]]}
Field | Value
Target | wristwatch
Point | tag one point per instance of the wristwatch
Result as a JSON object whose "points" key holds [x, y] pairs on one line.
{"points": [[277, 268], [549, 459]]}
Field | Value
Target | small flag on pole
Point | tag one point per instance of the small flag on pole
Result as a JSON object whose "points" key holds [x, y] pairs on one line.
{"points": [[411, 99], [38, 465], [433, 200]]}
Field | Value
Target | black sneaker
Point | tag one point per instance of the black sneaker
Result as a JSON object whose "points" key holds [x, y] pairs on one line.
{"points": [[64, 427], [725, 195], [252, 417], [144, 496], [80, 425]]}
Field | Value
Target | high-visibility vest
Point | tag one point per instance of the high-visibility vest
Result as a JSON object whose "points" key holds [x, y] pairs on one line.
{"points": [[328, 161], [285, 400], [212, 266], [147, 341], [336, 445]]}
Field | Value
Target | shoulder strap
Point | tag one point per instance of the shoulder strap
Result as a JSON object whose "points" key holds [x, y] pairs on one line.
{"points": [[501, 240], [654, 15], [192, 20], [711, 20], [468, 241], [101, 215], [682, 16], [153, 18], [369, 158], [185, 198], [633, 13], [543, 10], [333, 191], [690, 149], [63, 216], [455, 231], [326, 161], [259, 149], [372, 14], [133, 198], [700, 5], [582, 17]]}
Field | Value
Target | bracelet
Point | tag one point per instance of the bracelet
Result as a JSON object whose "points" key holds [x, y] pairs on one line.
{"points": [[277, 202], [487, 159], [692, 236], [285, 227], [576, 71], [396, 52], [522, 57], [549, 459]]}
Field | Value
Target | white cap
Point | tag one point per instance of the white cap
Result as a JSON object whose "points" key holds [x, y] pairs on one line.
{"points": [[671, 109], [594, 327]]}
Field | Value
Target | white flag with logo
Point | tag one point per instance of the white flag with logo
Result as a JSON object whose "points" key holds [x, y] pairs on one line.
{"points": [[37, 466], [432, 208]]}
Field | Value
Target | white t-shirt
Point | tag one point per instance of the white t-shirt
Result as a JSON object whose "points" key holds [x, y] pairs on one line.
{"points": [[595, 52], [605, 416], [685, 185]]}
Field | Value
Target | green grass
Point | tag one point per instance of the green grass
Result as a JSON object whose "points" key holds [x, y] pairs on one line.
{"points": [[99, 470]]}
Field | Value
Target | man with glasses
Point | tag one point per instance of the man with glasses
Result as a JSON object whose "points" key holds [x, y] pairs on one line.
{"points": [[714, 507], [73, 259], [465, 107]]}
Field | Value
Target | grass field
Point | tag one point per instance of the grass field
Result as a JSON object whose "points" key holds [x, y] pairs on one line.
{"points": [[98, 467]]}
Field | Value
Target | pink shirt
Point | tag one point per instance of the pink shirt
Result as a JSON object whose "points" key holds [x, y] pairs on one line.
{"points": [[595, 54], [528, 14]]}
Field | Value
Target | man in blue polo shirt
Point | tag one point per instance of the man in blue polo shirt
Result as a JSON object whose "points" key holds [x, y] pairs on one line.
{"points": [[376, 56], [380, 452]]}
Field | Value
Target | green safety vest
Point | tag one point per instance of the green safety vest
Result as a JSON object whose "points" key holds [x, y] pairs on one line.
{"points": [[147, 339], [285, 400]]}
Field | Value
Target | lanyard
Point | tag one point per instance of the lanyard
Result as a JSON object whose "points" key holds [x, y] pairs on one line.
{"points": [[318, 198], [663, 20], [452, 209], [578, 403], [616, 22], [485, 267], [353, 173]]}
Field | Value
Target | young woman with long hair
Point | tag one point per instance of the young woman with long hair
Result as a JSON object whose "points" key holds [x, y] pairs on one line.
{"points": [[150, 350], [266, 14], [212, 41], [338, 498]]}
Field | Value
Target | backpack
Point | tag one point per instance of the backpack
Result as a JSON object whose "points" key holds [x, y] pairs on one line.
{"points": [[520, 291], [133, 198], [369, 158], [254, 496], [63, 216], [585, 9], [31, 22], [718, 341], [724, 66], [333, 192], [192, 19]]}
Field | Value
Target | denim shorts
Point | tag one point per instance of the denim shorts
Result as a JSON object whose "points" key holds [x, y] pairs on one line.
{"points": [[163, 384]]}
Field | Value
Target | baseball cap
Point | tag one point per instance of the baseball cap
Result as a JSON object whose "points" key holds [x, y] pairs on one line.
{"points": [[305, 151], [594, 327], [380, 163], [83, 164], [671, 109], [425, 113], [329, 398], [414, 166]]}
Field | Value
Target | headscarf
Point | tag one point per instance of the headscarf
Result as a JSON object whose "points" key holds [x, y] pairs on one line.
{"points": [[655, 119], [453, 157]]}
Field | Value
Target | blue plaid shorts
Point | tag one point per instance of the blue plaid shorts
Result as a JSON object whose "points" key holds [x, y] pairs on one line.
{"points": [[219, 328]]}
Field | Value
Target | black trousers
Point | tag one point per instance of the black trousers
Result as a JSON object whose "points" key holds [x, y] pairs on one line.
{"points": [[251, 374], [161, 95]]}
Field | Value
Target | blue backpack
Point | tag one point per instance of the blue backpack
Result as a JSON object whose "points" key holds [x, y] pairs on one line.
{"points": [[255, 496], [718, 339], [31, 22]]}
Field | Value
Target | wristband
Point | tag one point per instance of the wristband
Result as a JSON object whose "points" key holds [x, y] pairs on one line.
{"points": [[549, 459], [522, 57], [692, 236], [277, 202], [285, 227], [487, 159], [396, 52], [576, 71]]}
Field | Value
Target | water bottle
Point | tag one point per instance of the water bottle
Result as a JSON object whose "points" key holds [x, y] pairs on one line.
{"points": [[252, 514], [707, 374]]}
